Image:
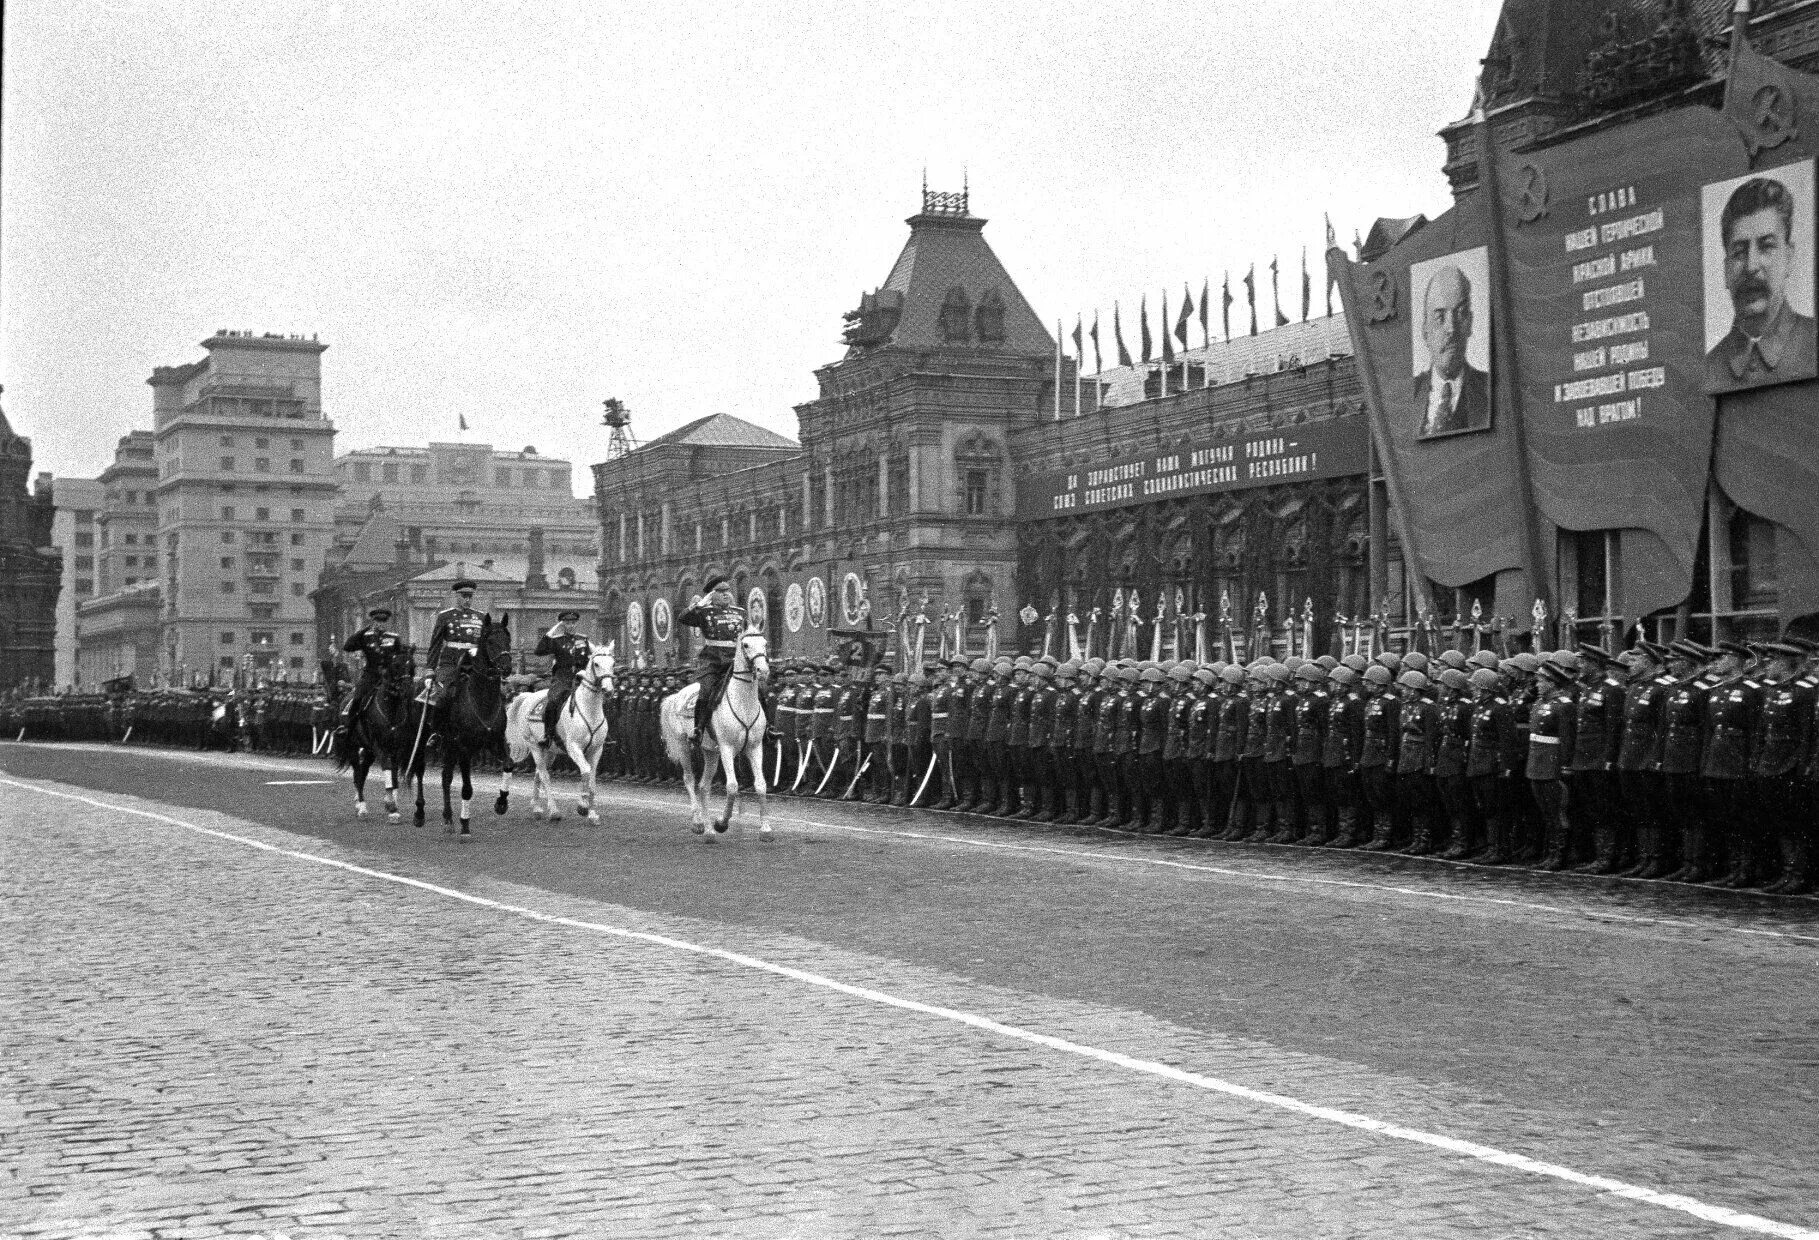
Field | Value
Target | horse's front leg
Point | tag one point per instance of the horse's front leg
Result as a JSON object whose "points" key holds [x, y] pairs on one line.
{"points": [[362, 764], [391, 794], [448, 775], [699, 786], [505, 785], [728, 763], [584, 800], [467, 795], [763, 791]]}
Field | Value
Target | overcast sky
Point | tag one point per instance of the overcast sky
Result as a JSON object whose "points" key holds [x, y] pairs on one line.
{"points": [[512, 211]]}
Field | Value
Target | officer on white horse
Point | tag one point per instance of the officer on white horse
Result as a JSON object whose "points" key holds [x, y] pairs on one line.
{"points": [[721, 622], [571, 651]]}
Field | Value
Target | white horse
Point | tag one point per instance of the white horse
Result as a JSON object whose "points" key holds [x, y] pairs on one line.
{"points": [[581, 731], [737, 727]]}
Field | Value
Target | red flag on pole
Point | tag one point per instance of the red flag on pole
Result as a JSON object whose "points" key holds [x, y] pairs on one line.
{"points": [[1098, 362], [1124, 354], [1185, 317], [1225, 311], [1206, 288], [1307, 286], [1250, 294], [1168, 346], [1143, 319]]}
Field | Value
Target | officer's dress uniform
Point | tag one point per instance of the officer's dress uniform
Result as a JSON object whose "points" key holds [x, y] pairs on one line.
{"points": [[1786, 742], [1341, 748], [1732, 709], [570, 653], [1550, 758], [453, 641], [1597, 740], [382, 657], [1312, 704], [1639, 781], [720, 629]]}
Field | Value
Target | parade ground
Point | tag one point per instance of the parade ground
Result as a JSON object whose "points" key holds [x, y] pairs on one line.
{"points": [[231, 1009]]}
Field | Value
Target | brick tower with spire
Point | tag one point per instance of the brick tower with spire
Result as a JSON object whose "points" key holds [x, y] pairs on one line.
{"points": [[30, 571]]}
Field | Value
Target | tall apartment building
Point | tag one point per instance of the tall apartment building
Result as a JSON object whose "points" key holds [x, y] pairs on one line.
{"points": [[77, 501], [475, 503], [246, 500], [126, 522]]}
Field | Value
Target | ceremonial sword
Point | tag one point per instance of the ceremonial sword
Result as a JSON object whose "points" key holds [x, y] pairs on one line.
{"points": [[829, 772], [932, 759], [863, 767], [802, 765]]}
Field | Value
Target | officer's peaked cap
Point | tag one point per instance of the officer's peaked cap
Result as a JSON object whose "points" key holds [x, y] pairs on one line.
{"points": [[464, 583], [379, 613], [1737, 648], [718, 579], [568, 615], [1786, 650]]}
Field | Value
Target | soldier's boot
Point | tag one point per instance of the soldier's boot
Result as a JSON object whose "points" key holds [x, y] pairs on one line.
{"points": [[1006, 804], [1263, 822], [1284, 832], [1237, 821], [1054, 804], [1799, 878], [1187, 818], [1555, 843], [1604, 852], [1645, 854], [1496, 849], [1026, 803], [1128, 808], [1693, 868], [900, 791], [1319, 835], [1067, 809], [1461, 844], [1345, 835], [945, 801], [1742, 869], [1421, 839], [1383, 832], [1160, 819]]}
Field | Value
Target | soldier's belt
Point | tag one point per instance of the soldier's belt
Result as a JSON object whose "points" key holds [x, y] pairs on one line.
{"points": [[719, 644], [1544, 740], [470, 647]]}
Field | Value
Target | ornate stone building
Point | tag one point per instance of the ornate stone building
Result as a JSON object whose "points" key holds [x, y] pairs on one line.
{"points": [[30, 568], [937, 463], [900, 489]]}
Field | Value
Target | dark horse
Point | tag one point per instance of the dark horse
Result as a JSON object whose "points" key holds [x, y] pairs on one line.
{"points": [[471, 722], [372, 736]]}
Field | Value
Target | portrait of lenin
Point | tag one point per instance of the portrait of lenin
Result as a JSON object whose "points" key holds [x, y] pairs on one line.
{"points": [[1769, 341], [1451, 395]]}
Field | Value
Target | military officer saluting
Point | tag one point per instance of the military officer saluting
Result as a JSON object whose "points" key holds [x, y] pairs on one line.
{"points": [[571, 651], [720, 623], [382, 656], [454, 639]]}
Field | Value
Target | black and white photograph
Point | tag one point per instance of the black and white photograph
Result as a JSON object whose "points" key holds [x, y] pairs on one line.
{"points": [[1450, 321], [1759, 238], [841, 621]]}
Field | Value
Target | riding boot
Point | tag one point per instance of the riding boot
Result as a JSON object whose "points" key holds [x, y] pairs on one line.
{"points": [[1318, 835], [1799, 878], [1345, 834], [1068, 813], [1694, 867], [1049, 809], [1553, 859], [900, 791], [1497, 835], [1285, 823], [1604, 846], [1026, 803], [1421, 841], [1383, 832]]}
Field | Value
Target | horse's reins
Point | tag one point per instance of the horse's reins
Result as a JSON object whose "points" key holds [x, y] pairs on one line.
{"points": [[598, 686], [745, 725]]}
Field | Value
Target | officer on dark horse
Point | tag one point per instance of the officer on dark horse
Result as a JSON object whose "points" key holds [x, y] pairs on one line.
{"points": [[453, 641], [571, 651], [383, 656], [367, 730], [720, 622]]}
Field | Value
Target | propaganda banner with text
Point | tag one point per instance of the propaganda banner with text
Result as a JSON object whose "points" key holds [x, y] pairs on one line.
{"points": [[1607, 263]]}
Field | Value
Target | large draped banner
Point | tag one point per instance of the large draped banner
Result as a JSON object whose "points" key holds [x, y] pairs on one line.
{"points": [[1586, 343]]}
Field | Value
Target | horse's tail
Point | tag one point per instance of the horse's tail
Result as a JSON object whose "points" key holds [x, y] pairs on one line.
{"points": [[676, 721], [344, 748], [517, 725]]}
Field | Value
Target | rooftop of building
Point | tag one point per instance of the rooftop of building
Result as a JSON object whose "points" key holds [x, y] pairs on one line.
{"points": [[723, 430], [1232, 361], [388, 451]]}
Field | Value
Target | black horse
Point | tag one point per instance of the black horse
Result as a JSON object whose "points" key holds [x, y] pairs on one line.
{"points": [[471, 722], [372, 736]]}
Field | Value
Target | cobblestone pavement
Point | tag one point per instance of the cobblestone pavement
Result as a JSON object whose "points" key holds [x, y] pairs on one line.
{"points": [[203, 1038]]}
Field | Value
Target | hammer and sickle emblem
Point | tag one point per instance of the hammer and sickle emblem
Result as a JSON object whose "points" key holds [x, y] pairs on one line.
{"points": [[1382, 297], [1532, 194], [1773, 110]]}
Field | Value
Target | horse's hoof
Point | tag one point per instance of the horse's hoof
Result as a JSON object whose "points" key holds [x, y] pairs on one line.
{"points": [[764, 833], [700, 828], [720, 826], [499, 804], [394, 818], [359, 811], [593, 816]]}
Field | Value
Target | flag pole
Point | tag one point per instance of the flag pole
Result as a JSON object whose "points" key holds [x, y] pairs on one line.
{"points": [[1057, 368], [1079, 365]]}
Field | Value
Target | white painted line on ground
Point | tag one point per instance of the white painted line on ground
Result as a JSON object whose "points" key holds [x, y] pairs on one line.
{"points": [[1088, 854], [1722, 1215], [294, 783]]}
